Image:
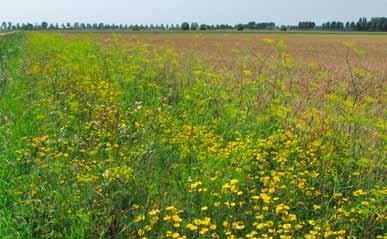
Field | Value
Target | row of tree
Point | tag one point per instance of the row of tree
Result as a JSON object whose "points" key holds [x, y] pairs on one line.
{"points": [[375, 24], [306, 25], [195, 26], [104, 26], [260, 25]]}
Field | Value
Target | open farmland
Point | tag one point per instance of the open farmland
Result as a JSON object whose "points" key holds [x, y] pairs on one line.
{"points": [[149, 135], [226, 49]]}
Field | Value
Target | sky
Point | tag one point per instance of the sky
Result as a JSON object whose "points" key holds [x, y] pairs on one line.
{"points": [[177, 11]]}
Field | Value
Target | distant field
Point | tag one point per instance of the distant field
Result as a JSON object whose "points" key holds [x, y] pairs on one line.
{"points": [[224, 49], [194, 135], [276, 32]]}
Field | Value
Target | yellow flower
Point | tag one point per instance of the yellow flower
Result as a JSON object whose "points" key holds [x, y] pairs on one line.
{"points": [[214, 235], [365, 203], [316, 207], [238, 225], [286, 237], [298, 226], [206, 221], [312, 222], [203, 231], [268, 41], [153, 212], [176, 218], [192, 227], [139, 218], [204, 209], [292, 217], [197, 221], [359, 192], [140, 232], [234, 181], [194, 185], [226, 224], [287, 227], [255, 197], [170, 208], [265, 198], [261, 226]]}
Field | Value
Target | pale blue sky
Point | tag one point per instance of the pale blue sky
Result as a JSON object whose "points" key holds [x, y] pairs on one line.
{"points": [[176, 11]]}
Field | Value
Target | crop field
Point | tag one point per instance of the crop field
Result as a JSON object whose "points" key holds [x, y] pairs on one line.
{"points": [[215, 135]]}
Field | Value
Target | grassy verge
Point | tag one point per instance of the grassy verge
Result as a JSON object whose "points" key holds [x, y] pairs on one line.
{"points": [[15, 123]]}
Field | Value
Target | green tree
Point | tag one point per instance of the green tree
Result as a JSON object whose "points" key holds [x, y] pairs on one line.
{"points": [[185, 26], [251, 25], [44, 25], [347, 26], [203, 27], [194, 26], [353, 26], [240, 27]]}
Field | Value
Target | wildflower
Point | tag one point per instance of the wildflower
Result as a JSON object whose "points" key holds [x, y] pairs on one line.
{"points": [[265, 198], [204, 209], [192, 227], [170, 208], [312, 222], [176, 218], [238, 225], [260, 226], [206, 221], [214, 235], [268, 41], [197, 221], [139, 218], [316, 207], [299, 226], [292, 217], [153, 212], [203, 231], [359, 192], [287, 227], [140, 232]]}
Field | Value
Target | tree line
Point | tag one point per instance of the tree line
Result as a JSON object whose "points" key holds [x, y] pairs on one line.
{"points": [[374, 24], [105, 26]]}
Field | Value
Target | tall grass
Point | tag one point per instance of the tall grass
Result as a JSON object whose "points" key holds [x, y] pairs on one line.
{"points": [[124, 140]]}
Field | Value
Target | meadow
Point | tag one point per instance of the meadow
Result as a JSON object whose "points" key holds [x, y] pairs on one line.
{"points": [[230, 136]]}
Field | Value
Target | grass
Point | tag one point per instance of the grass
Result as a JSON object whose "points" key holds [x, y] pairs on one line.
{"points": [[107, 138], [258, 32]]}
